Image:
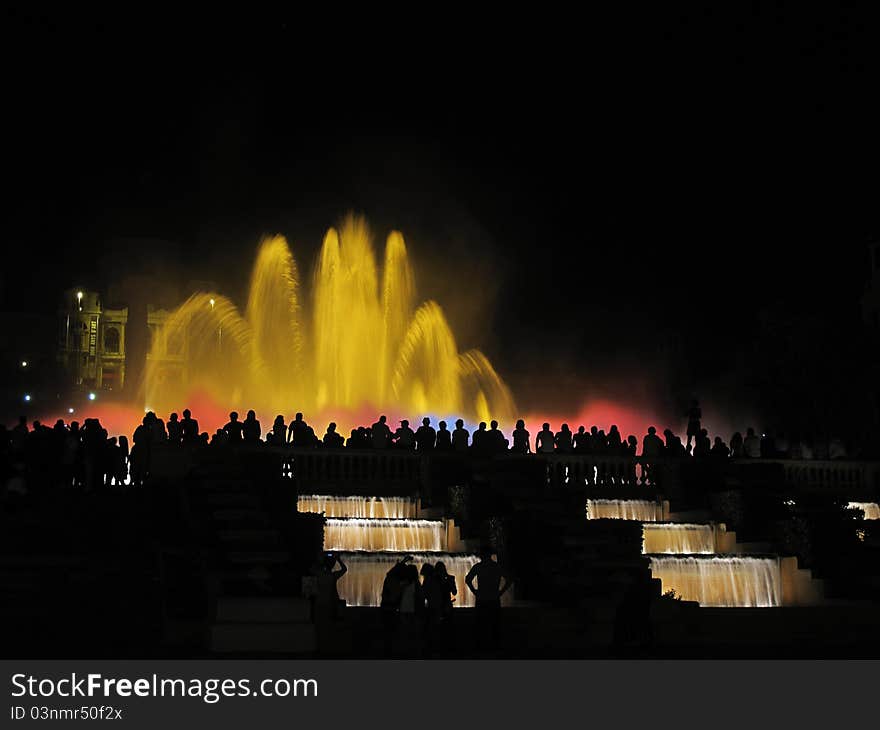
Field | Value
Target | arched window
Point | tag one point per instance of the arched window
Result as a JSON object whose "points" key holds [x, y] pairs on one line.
{"points": [[111, 340]]}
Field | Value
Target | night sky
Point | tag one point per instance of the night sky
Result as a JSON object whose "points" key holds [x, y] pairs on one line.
{"points": [[596, 203]]}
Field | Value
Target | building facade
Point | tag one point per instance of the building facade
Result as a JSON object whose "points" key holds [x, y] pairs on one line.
{"points": [[91, 341]]}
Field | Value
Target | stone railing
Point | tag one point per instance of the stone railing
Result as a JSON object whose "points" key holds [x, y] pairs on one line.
{"points": [[838, 475], [342, 465]]}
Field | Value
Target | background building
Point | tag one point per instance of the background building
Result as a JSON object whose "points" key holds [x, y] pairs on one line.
{"points": [[91, 341]]}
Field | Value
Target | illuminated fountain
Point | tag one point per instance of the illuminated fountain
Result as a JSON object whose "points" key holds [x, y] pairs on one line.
{"points": [[397, 508], [726, 581], [680, 538], [359, 342], [381, 535], [641, 510], [871, 509], [362, 584]]}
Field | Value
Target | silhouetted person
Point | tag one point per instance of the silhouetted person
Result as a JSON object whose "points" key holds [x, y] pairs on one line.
{"points": [[614, 440], [444, 438], [233, 429], [250, 429], [488, 591], [736, 445], [404, 438], [460, 437], [751, 444], [326, 605], [581, 441], [332, 440], [702, 445], [381, 437], [719, 449], [521, 442], [544, 441], [652, 446], [562, 439], [175, 430], [189, 428], [479, 446], [279, 431], [495, 439], [298, 432], [426, 436], [694, 416]]}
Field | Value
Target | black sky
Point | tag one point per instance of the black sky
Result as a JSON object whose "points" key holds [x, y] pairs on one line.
{"points": [[573, 191]]}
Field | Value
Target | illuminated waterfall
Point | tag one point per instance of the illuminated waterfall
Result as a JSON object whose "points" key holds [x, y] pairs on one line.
{"points": [[362, 342], [397, 508], [641, 510], [679, 538], [721, 580], [382, 535], [362, 584], [871, 509]]}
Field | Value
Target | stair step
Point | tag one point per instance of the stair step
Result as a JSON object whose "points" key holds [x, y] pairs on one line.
{"points": [[259, 557], [263, 637], [232, 609]]}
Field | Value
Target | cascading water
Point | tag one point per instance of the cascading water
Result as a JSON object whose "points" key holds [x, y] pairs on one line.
{"points": [[871, 509], [641, 510], [362, 584], [721, 580], [679, 538], [380, 535], [361, 343], [396, 508]]}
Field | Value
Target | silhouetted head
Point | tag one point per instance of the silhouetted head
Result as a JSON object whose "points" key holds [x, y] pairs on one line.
{"points": [[299, 416], [440, 568], [718, 440], [581, 429], [459, 423], [279, 420], [631, 440], [494, 425], [704, 432], [251, 415], [427, 570], [426, 421], [404, 423], [667, 432], [382, 419], [331, 428], [565, 427], [442, 425], [613, 428], [652, 430], [233, 416], [545, 427], [186, 413], [173, 418], [485, 553], [594, 430], [520, 423], [482, 425]]}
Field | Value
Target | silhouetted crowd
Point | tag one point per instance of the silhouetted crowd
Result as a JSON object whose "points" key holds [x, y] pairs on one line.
{"points": [[75, 455]]}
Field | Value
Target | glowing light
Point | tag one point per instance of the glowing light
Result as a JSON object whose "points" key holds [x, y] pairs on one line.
{"points": [[361, 345], [24, 363], [27, 396], [678, 538], [70, 410], [79, 296], [721, 581], [92, 396], [384, 535]]}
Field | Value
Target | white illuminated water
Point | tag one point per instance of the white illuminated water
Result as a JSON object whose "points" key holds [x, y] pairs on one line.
{"points": [[641, 510], [721, 580], [364, 507], [871, 509], [678, 538]]}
